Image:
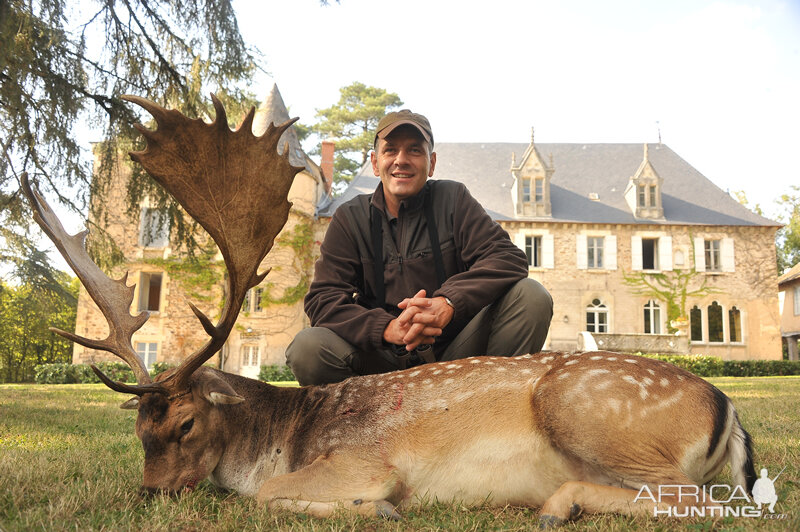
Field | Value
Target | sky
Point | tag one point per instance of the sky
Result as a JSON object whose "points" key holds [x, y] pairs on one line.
{"points": [[720, 80]]}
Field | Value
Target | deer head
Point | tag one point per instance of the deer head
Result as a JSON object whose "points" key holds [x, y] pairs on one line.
{"points": [[235, 185]]}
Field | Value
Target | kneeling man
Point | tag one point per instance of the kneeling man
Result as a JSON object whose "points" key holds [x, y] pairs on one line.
{"points": [[415, 272]]}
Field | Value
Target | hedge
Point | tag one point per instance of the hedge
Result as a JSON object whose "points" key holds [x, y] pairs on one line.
{"points": [[711, 366], [83, 374], [275, 373]]}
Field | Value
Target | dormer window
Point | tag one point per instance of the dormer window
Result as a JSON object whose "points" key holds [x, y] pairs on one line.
{"points": [[643, 194], [531, 189]]}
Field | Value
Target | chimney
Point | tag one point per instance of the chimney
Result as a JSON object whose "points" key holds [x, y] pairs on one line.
{"points": [[327, 163]]}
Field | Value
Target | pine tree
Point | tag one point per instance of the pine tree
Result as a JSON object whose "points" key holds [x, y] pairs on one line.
{"points": [[64, 67]]}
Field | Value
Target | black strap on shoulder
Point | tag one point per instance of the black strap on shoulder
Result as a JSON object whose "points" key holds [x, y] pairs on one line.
{"points": [[433, 233], [376, 233], [376, 230]]}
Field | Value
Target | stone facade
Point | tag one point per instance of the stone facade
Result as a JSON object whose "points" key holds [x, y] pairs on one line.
{"points": [[751, 287], [789, 297]]}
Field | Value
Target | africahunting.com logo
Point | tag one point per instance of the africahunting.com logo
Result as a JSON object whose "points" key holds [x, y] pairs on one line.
{"points": [[717, 500]]}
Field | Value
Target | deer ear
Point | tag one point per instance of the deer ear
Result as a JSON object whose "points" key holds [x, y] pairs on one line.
{"points": [[130, 404], [218, 392]]}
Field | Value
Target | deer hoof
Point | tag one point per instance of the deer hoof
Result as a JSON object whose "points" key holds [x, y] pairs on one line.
{"points": [[575, 511], [549, 521], [386, 510]]}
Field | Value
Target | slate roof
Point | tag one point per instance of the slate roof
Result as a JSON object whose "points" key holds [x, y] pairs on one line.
{"points": [[792, 275], [688, 197]]}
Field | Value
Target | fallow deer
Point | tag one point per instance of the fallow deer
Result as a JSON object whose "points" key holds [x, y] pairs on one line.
{"points": [[569, 433]]}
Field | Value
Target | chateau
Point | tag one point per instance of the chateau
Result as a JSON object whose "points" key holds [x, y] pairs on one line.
{"points": [[637, 248]]}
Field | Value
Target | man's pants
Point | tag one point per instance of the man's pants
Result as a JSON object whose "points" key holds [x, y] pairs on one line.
{"points": [[515, 324]]}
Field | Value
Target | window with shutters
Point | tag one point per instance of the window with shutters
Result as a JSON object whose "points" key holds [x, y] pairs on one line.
{"points": [[533, 250]]}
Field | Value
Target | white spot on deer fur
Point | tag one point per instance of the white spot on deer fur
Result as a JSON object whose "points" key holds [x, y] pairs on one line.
{"points": [[631, 361], [642, 388], [614, 404], [415, 373], [475, 361], [596, 357], [526, 356], [664, 382], [651, 372], [647, 381], [545, 360], [526, 372], [426, 381], [571, 362], [501, 368], [381, 382], [563, 375], [410, 384], [451, 366], [448, 382], [489, 363], [612, 358], [438, 371], [565, 355], [463, 395], [680, 377], [600, 371]]}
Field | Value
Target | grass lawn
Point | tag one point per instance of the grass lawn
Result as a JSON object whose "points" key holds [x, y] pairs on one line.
{"points": [[69, 460]]}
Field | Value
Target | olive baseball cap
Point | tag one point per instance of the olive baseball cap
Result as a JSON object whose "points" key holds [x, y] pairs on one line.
{"points": [[398, 118]]}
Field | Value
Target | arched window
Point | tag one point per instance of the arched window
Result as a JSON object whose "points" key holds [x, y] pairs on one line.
{"points": [[652, 318], [597, 317], [735, 324], [696, 324], [715, 322]]}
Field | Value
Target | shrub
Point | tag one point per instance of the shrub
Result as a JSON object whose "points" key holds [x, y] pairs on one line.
{"points": [[700, 365], [274, 372], [711, 366], [81, 373]]}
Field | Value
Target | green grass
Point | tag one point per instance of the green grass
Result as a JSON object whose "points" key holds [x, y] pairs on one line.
{"points": [[69, 460]]}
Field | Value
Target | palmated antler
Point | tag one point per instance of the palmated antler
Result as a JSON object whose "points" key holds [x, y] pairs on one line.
{"points": [[235, 185], [112, 297]]}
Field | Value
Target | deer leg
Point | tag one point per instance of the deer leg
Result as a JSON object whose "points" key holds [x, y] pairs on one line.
{"points": [[576, 497], [334, 482]]}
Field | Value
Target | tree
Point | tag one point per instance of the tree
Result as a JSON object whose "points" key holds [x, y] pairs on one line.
{"points": [[788, 241], [26, 312], [351, 124], [64, 69]]}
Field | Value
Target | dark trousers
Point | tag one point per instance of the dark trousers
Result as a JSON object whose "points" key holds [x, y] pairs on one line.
{"points": [[514, 324]]}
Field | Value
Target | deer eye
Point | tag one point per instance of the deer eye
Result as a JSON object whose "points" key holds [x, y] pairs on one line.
{"points": [[186, 427]]}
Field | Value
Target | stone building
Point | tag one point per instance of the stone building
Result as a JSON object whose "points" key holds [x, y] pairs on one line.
{"points": [[272, 313], [789, 296], [633, 243]]}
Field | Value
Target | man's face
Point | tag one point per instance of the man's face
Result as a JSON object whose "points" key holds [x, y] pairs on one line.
{"points": [[403, 162]]}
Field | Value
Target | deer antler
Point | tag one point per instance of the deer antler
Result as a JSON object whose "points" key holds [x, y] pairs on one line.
{"points": [[235, 185], [112, 297]]}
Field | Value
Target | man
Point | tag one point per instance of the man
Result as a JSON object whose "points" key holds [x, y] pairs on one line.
{"points": [[415, 272]]}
